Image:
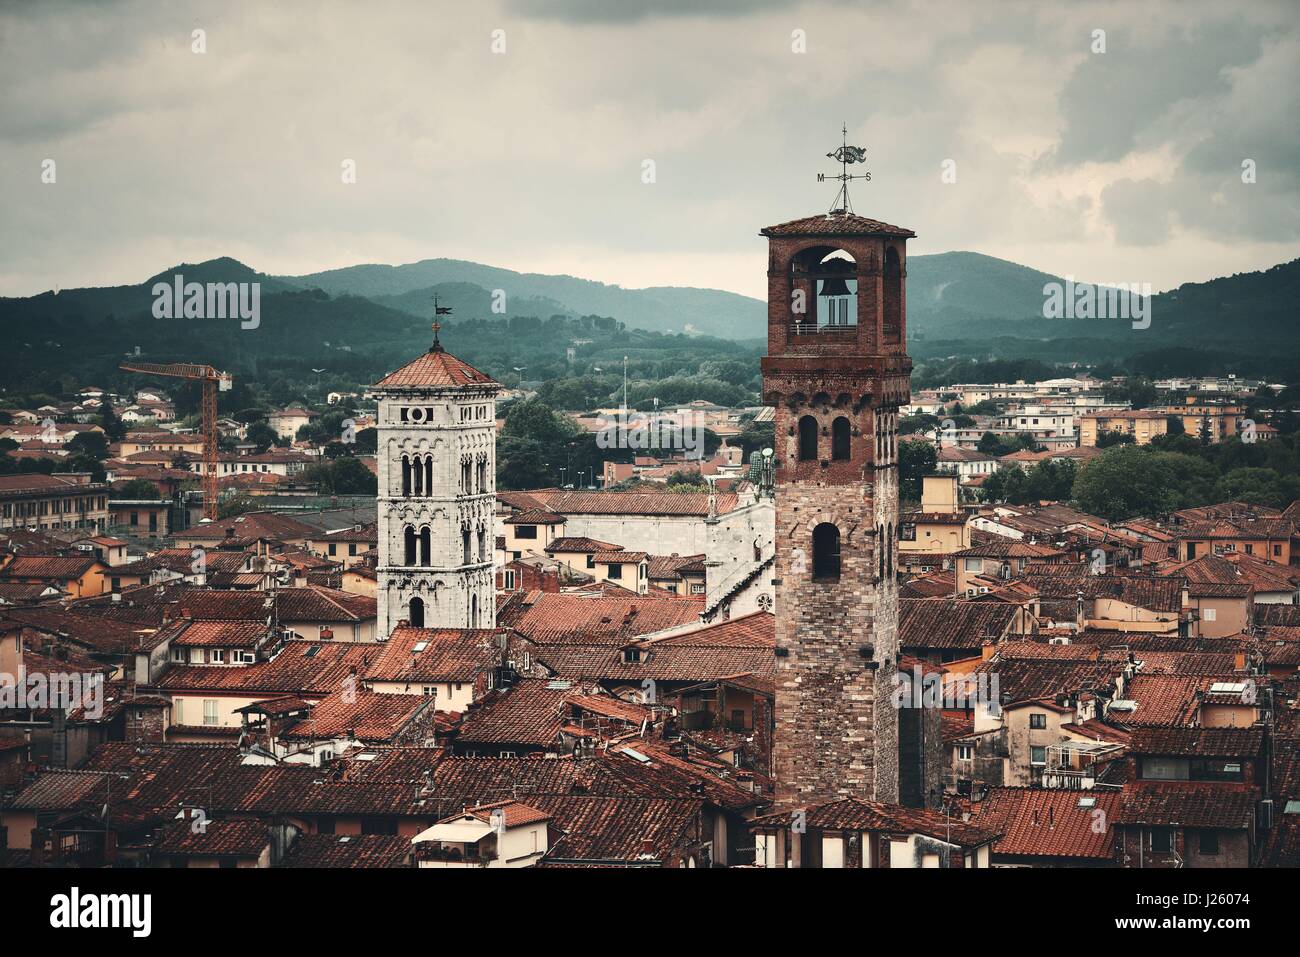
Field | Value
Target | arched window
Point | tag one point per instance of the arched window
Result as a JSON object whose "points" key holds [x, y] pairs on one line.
{"points": [[482, 544], [406, 477], [880, 551], [416, 614], [426, 547], [428, 475], [417, 477], [840, 439], [807, 439], [826, 552], [408, 539], [473, 611], [465, 543]]}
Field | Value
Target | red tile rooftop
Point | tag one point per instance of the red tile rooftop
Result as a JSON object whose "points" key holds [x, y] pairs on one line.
{"points": [[436, 370]]}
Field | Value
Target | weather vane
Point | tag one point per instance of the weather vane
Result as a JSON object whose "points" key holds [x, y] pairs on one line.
{"points": [[846, 154], [438, 311]]}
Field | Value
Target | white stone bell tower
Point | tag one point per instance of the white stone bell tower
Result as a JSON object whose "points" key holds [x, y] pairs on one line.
{"points": [[437, 494]]}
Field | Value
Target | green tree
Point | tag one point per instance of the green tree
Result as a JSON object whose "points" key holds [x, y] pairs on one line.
{"points": [[915, 461], [345, 476], [1107, 439], [1131, 480], [91, 444], [262, 435], [137, 489]]}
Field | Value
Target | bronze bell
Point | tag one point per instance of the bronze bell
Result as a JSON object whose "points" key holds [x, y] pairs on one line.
{"points": [[835, 286]]}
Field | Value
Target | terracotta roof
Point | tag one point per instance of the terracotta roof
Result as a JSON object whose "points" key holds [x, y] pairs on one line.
{"points": [[222, 838], [445, 654], [363, 715], [49, 567], [1050, 822], [855, 814], [535, 516], [516, 814], [619, 830], [348, 851], [836, 224], [1281, 847], [577, 543], [948, 624], [301, 667], [530, 713], [1205, 742], [1164, 700], [219, 634], [1024, 679], [1178, 804], [435, 370], [561, 618], [665, 662], [308, 603], [619, 557]]}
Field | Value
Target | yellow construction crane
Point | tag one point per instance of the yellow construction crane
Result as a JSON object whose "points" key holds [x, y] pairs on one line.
{"points": [[212, 380]]}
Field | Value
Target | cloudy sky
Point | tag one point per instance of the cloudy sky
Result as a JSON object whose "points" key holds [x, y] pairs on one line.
{"points": [[1122, 166]]}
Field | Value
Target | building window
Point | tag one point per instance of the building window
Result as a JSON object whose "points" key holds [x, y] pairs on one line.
{"points": [[826, 552], [807, 439], [1162, 840], [525, 531], [209, 711], [840, 439], [1037, 720], [1209, 842], [509, 578], [1210, 614], [1038, 755], [615, 571], [965, 752]]}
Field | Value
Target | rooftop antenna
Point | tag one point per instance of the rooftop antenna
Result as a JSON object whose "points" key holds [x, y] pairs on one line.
{"points": [[438, 311], [846, 154]]}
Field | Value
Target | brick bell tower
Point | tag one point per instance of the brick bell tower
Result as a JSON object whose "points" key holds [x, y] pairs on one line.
{"points": [[836, 372]]}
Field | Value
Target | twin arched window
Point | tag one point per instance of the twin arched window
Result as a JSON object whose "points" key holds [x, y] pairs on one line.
{"points": [[417, 546], [841, 434]]}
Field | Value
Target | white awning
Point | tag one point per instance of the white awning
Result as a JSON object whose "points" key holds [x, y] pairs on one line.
{"points": [[459, 832]]}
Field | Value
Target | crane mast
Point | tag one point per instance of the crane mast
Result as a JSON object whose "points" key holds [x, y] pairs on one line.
{"points": [[213, 381]]}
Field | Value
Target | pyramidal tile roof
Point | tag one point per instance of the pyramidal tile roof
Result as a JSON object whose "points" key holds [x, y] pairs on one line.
{"points": [[836, 224], [436, 368]]}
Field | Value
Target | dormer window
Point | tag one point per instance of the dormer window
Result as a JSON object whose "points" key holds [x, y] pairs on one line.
{"points": [[633, 656]]}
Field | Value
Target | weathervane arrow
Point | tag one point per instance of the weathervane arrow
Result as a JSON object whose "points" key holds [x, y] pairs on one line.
{"points": [[849, 154], [844, 155]]}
